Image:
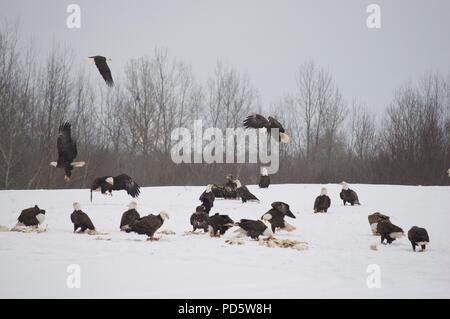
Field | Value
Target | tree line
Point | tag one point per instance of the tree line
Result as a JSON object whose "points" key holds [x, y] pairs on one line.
{"points": [[128, 128]]}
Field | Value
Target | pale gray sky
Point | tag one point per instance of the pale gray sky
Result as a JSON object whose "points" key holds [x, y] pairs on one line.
{"points": [[267, 39]]}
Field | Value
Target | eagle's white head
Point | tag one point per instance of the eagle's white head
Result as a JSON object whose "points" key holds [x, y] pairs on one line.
{"points": [[264, 171], [344, 185], [209, 188], [110, 180], [132, 205], [164, 215], [76, 206], [238, 183], [284, 138], [323, 191]]}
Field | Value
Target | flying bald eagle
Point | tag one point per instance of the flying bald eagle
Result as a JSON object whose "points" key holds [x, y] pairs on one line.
{"points": [[67, 151], [107, 184], [80, 219], [148, 225], [199, 219], [219, 224], [348, 195], [33, 216], [322, 202], [260, 122], [243, 192], [264, 180], [103, 68], [255, 228], [275, 216], [207, 198], [129, 217]]}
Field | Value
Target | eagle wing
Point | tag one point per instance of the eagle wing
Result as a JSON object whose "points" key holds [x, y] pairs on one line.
{"points": [[147, 225], [254, 228], [273, 123], [104, 70], [245, 194], [316, 202], [86, 221], [67, 147], [256, 121], [218, 191], [125, 182]]}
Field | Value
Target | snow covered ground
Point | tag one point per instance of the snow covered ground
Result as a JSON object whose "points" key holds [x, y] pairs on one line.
{"points": [[197, 266]]}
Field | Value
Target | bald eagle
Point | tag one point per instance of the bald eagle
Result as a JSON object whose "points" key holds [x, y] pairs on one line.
{"points": [[199, 219], [348, 195], [389, 231], [255, 228], [260, 122], [219, 224], [264, 180], [67, 151], [107, 184], [207, 198], [103, 68], [80, 219], [322, 202], [148, 225], [374, 219], [243, 192], [129, 217], [33, 216], [418, 237], [275, 216]]}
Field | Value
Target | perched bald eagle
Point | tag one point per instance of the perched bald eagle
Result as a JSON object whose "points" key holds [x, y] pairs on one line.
{"points": [[255, 228], [80, 219], [228, 190], [264, 180], [103, 68], [129, 217], [107, 184], [67, 151], [260, 122], [33, 216], [243, 192], [148, 225], [275, 216], [418, 237], [389, 231], [219, 224], [199, 219], [207, 198], [322, 202], [348, 195], [374, 219]]}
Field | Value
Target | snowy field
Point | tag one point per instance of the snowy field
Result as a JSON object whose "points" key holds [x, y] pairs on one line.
{"points": [[197, 266]]}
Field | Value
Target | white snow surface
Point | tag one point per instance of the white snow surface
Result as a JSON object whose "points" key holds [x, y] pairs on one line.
{"points": [[196, 266]]}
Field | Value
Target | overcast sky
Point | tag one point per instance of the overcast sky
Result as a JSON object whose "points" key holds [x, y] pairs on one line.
{"points": [[267, 39]]}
